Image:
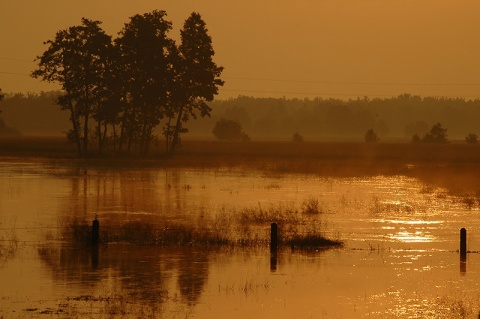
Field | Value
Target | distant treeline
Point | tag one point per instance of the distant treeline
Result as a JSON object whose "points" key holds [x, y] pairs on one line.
{"points": [[279, 118], [34, 114], [396, 118]]}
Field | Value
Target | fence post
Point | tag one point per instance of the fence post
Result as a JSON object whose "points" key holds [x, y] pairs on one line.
{"points": [[95, 232], [463, 244], [273, 238], [273, 247]]}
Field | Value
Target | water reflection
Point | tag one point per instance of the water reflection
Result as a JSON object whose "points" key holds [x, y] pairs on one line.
{"points": [[145, 274], [192, 274], [410, 230], [273, 261], [412, 226], [409, 237], [149, 192]]}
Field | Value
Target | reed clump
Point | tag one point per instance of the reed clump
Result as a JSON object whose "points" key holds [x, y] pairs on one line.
{"points": [[232, 227], [311, 241], [146, 233]]}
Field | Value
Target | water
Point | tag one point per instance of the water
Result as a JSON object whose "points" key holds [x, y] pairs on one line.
{"points": [[400, 257]]}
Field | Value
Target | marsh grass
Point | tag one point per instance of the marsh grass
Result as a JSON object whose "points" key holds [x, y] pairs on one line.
{"points": [[311, 206], [229, 227], [8, 245], [309, 241], [268, 154], [146, 233], [109, 304]]}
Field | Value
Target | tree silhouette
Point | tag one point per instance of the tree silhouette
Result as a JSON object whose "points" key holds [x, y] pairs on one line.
{"points": [[297, 138], [133, 83], [437, 134], [196, 80], [230, 130], [371, 136], [76, 60], [471, 138], [145, 51]]}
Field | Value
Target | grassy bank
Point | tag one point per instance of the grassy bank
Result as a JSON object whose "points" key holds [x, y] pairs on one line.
{"points": [[214, 153], [451, 165]]}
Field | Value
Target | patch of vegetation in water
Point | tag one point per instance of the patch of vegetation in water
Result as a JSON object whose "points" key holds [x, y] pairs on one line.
{"points": [[311, 241], [8, 245], [233, 227]]}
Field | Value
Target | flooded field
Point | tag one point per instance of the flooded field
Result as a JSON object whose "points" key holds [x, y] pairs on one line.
{"points": [[400, 255]]}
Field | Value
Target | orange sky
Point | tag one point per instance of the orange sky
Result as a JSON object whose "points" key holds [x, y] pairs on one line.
{"points": [[302, 48]]}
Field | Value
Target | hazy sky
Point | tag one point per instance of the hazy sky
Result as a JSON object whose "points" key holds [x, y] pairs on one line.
{"points": [[301, 48]]}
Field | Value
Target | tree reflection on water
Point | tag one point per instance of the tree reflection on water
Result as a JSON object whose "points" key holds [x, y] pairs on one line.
{"points": [[410, 219], [147, 275]]}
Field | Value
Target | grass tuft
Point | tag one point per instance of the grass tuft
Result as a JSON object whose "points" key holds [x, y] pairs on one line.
{"points": [[311, 241], [247, 227]]}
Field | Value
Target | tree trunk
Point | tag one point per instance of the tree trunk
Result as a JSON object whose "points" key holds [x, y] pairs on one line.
{"points": [[85, 135], [76, 130], [114, 139], [66, 103], [167, 135], [176, 132], [99, 136]]}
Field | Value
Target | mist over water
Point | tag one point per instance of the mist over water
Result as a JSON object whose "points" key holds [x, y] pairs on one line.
{"points": [[400, 256]]}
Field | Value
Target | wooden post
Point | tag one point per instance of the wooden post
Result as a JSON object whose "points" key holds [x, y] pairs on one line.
{"points": [[273, 247], [273, 261], [95, 232], [463, 244], [273, 238]]}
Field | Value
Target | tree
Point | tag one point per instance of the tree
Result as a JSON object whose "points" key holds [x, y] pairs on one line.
{"points": [[196, 80], [437, 134], [229, 130], [1, 98], [76, 60], [146, 54], [471, 138], [106, 111], [415, 138], [297, 138], [371, 136]]}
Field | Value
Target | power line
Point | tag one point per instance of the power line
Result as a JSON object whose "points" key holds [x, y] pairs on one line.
{"points": [[350, 83], [312, 81], [13, 73], [332, 94], [17, 60], [305, 93]]}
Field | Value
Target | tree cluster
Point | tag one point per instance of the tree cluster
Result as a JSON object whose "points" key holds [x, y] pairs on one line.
{"points": [[371, 136], [395, 117], [229, 130], [117, 91], [437, 134]]}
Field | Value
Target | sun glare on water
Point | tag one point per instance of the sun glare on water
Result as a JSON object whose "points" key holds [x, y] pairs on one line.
{"points": [[410, 231]]}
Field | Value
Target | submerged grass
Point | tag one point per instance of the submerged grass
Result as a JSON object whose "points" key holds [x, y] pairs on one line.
{"points": [[8, 245], [247, 227]]}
